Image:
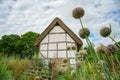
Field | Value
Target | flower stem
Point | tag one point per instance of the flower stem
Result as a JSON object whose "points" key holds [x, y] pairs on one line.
{"points": [[81, 22], [114, 41], [92, 50]]}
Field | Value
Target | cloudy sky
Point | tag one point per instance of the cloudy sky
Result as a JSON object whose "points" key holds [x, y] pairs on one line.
{"points": [[21, 16]]}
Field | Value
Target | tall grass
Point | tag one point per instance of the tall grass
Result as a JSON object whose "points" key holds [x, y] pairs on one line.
{"points": [[5, 74]]}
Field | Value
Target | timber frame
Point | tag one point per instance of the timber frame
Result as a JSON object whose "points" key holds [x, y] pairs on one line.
{"points": [[57, 22]]}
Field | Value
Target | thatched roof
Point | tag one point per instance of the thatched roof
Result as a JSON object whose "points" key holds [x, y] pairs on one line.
{"points": [[59, 22]]}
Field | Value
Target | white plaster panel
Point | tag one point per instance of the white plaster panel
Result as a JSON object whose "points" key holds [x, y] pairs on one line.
{"points": [[61, 46], [52, 46], [44, 53], [56, 37], [57, 29], [52, 54], [61, 54], [43, 46], [72, 61], [71, 53], [45, 40], [69, 38]]}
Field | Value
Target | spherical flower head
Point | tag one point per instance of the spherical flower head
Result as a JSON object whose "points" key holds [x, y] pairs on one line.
{"points": [[101, 62], [68, 48], [101, 49], [73, 73], [83, 52], [105, 31], [78, 13], [77, 54], [84, 33], [111, 48], [78, 64], [65, 60], [73, 47]]}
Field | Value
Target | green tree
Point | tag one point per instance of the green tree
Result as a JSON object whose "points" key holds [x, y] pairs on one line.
{"points": [[25, 46], [7, 44], [20, 46]]}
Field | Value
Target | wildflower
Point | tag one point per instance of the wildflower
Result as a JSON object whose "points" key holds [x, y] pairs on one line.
{"points": [[68, 48], [105, 31], [73, 47], [84, 33], [76, 59], [83, 52], [101, 49], [101, 62], [65, 60], [77, 54], [111, 48], [78, 12], [78, 64], [73, 73]]}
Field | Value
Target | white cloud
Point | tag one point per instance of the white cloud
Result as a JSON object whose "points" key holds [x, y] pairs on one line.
{"points": [[36, 15]]}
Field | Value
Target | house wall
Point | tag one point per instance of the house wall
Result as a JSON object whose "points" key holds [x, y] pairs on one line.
{"points": [[55, 43]]}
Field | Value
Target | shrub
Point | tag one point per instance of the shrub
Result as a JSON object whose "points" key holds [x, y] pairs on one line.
{"points": [[18, 67]]}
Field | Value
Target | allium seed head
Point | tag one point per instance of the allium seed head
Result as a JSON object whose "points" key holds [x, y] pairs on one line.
{"points": [[77, 54], [68, 48], [73, 47], [78, 64], [101, 62], [73, 73], [65, 60], [105, 31], [111, 48], [78, 12], [84, 32], [83, 52], [101, 49]]}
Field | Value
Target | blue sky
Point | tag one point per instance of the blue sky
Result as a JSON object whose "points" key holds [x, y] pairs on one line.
{"points": [[21, 16]]}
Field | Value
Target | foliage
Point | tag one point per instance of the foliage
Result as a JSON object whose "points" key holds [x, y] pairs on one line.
{"points": [[7, 44], [17, 66], [18, 69], [19, 45], [37, 61], [5, 74]]}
